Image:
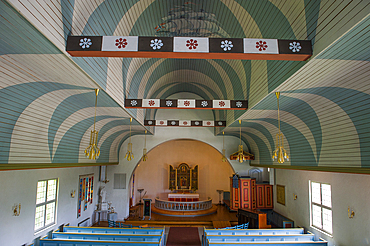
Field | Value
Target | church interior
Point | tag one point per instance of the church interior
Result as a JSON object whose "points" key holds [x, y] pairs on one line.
{"points": [[183, 109]]}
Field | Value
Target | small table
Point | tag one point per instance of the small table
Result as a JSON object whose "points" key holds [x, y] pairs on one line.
{"points": [[186, 197], [219, 196], [105, 212]]}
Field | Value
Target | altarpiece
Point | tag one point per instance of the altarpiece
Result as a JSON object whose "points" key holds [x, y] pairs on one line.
{"points": [[183, 177]]}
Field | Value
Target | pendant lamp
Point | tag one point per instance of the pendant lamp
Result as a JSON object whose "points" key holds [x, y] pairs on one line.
{"points": [[144, 157], [92, 151], [129, 155], [280, 155]]}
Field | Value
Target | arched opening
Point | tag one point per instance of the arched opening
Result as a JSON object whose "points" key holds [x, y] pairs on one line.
{"points": [[153, 174]]}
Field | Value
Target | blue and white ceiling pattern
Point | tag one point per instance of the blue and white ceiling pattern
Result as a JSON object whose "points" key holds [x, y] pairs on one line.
{"points": [[47, 97]]}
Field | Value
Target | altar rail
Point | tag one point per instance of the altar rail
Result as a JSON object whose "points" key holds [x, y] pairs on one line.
{"points": [[183, 206]]}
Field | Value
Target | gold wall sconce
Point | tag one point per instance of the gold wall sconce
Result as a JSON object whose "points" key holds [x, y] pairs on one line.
{"points": [[73, 193], [295, 196], [16, 209], [351, 214]]}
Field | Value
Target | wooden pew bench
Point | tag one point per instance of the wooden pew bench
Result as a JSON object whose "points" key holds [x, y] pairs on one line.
{"points": [[69, 242], [107, 237], [141, 231], [293, 231], [260, 238], [315, 243]]}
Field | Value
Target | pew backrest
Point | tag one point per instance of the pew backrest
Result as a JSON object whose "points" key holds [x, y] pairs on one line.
{"points": [[50, 242], [262, 238], [149, 231], [314, 243], [108, 237], [293, 231]]}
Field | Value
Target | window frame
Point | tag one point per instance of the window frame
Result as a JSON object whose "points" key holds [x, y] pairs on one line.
{"points": [[321, 208], [45, 203]]}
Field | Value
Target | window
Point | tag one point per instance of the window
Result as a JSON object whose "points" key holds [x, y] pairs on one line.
{"points": [[46, 198], [321, 213]]}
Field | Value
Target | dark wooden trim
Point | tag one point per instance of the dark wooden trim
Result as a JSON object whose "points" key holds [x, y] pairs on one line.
{"points": [[190, 55], [24, 166], [357, 170]]}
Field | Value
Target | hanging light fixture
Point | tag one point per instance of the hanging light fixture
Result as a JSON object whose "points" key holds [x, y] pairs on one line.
{"points": [[144, 157], [241, 155], [280, 153], [223, 158], [129, 155], [92, 151]]}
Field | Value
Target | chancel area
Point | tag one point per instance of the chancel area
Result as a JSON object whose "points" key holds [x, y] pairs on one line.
{"points": [[143, 122]]}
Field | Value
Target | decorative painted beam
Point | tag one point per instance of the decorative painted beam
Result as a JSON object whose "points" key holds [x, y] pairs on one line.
{"points": [[187, 123], [189, 47], [187, 104]]}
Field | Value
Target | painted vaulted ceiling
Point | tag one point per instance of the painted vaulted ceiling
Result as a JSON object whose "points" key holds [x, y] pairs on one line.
{"points": [[47, 97]]}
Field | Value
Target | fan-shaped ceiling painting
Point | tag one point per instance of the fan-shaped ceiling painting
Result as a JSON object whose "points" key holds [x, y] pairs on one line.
{"points": [[222, 53]]}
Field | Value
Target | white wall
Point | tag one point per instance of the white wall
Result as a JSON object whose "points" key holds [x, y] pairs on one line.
{"points": [[347, 190], [120, 197], [20, 187], [153, 174]]}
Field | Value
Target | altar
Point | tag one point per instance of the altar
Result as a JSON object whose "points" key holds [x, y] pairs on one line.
{"points": [[183, 197]]}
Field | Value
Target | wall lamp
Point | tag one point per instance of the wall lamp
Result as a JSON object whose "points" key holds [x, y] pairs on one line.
{"points": [[351, 214], [16, 209]]}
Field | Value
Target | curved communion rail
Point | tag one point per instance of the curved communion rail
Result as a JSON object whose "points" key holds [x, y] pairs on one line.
{"points": [[183, 206]]}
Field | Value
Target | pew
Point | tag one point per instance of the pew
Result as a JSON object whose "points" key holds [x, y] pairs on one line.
{"points": [[254, 231], [72, 236], [45, 241], [259, 238], [281, 237], [142, 231], [322, 242], [107, 237]]}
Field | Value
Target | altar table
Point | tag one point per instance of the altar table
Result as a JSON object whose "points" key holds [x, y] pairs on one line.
{"points": [[186, 197]]}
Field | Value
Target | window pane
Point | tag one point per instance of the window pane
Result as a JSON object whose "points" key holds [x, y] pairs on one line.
{"points": [[327, 223], [315, 192], [316, 216], [39, 217], [326, 195], [41, 192], [50, 209], [52, 189]]}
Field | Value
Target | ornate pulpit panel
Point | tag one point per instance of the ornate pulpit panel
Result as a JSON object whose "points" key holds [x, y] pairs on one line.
{"points": [[183, 177]]}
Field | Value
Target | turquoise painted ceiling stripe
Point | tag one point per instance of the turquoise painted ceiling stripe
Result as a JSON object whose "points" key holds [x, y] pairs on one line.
{"points": [[299, 108], [279, 71], [14, 100], [138, 76], [261, 129], [137, 156], [73, 104], [18, 36], [354, 45], [171, 65], [104, 20], [67, 15], [69, 146], [279, 28], [300, 149], [263, 151], [235, 81], [115, 123], [349, 100], [312, 10], [95, 67]]}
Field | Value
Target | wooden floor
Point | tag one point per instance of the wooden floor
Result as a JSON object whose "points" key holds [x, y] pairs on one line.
{"points": [[222, 217]]}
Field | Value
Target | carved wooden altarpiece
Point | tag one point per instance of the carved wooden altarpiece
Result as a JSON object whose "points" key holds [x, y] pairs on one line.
{"points": [[183, 177]]}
